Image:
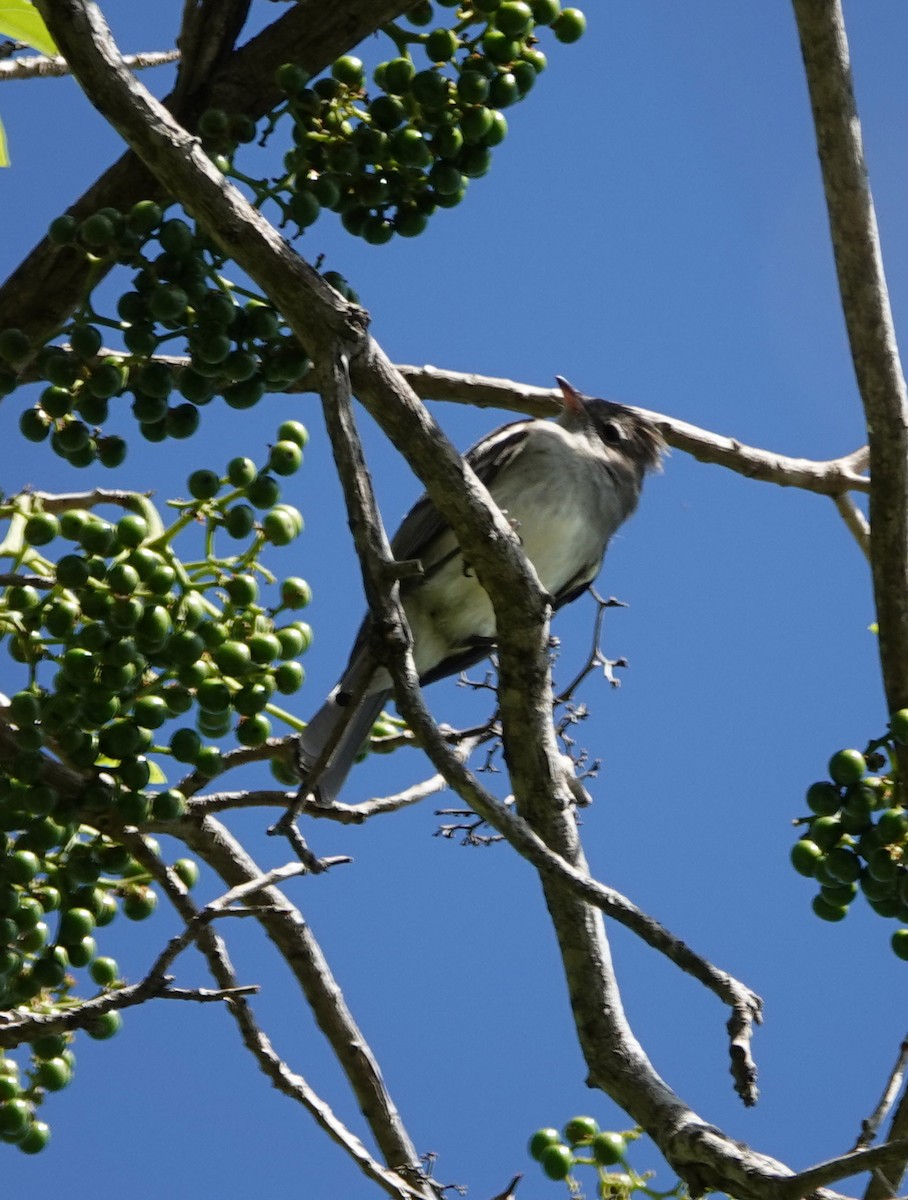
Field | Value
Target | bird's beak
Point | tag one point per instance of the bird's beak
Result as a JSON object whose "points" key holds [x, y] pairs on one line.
{"points": [[573, 401]]}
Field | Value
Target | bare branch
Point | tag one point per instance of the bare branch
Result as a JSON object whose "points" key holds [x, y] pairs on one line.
{"points": [[885, 1184], [893, 1086], [842, 1167], [868, 319], [827, 478], [855, 521], [11, 579], [39, 66]]}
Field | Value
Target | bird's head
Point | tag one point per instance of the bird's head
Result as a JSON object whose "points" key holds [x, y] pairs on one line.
{"points": [[619, 427]]}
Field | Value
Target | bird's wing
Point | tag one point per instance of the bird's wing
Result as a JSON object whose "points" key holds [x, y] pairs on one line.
{"points": [[423, 523]]}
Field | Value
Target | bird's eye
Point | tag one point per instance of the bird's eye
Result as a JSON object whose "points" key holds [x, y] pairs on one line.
{"points": [[612, 433]]}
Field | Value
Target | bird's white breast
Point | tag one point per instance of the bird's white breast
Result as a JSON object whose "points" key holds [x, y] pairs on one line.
{"points": [[562, 509]]}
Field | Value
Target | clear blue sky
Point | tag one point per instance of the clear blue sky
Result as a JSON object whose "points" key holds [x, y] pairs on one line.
{"points": [[653, 229]]}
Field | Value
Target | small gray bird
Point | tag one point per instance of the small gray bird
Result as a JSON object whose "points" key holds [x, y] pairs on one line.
{"points": [[565, 486]]}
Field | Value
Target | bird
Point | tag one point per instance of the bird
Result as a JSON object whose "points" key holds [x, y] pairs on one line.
{"points": [[564, 485]]}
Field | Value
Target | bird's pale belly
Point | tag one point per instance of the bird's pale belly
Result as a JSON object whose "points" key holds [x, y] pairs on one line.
{"points": [[451, 609]]}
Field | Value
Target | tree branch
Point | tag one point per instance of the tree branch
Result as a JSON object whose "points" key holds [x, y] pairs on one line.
{"points": [[296, 942], [207, 36], [893, 1086], [41, 66], [826, 478], [868, 319]]}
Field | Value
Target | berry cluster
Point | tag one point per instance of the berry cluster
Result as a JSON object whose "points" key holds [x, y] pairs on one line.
{"points": [[386, 159], [856, 839], [133, 661], [178, 298], [582, 1143]]}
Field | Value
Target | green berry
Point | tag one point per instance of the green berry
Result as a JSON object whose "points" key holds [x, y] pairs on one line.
{"points": [[608, 1148], [288, 678], [97, 230], [62, 230], [804, 857], [241, 472], [899, 943], [580, 1129], [556, 1161], [291, 78], [898, 723], [398, 75], [293, 431], [239, 520], [132, 530], [349, 70], [514, 18], [285, 458], [541, 1139], [281, 525], [139, 903], [569, 26], [14, 1119], [105, 1026], [828, 912], [104, 971], [845, 766], [169, 805], [187, 870], [441, 45], [823, 798], [41, 528]]}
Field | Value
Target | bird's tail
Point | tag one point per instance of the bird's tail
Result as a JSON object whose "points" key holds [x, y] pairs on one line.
{"points": [[321, 728]]}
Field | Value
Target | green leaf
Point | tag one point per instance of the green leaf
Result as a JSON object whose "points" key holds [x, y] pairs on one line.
{"points": [[20, 20], [4, 153], [157, 775]]}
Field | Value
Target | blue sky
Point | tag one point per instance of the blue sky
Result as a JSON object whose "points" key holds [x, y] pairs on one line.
{"points": [[653, 229]]}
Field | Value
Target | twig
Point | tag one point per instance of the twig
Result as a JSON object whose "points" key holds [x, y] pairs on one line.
{"points": [[596, 657], [36, 581], [871, 1124], [855, 521], [309, 861], [34, 66], [344, 814]]}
